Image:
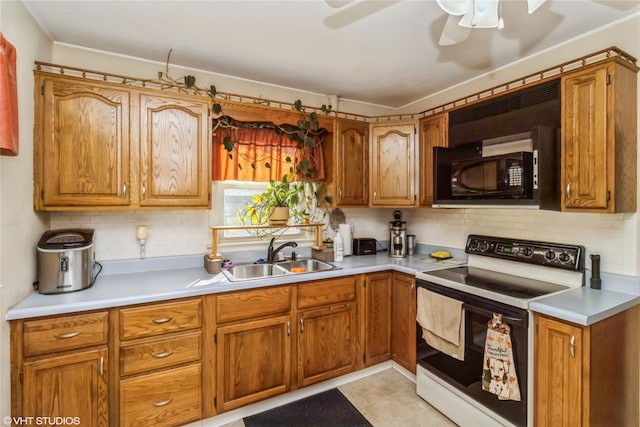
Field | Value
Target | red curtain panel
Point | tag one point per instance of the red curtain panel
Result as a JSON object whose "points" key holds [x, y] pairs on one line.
{"points": [[8, 99]]}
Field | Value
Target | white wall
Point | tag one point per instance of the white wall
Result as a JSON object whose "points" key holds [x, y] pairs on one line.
{"points": [[20, 227]]}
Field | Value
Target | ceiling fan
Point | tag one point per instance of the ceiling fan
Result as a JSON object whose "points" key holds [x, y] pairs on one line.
{"points": [[465, 15]]}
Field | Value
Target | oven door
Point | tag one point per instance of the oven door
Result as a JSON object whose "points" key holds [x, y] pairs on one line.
{"points": [[466, 376]]}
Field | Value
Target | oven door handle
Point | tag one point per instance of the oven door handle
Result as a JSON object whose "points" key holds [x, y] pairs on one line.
{"points": [[483, 312]]}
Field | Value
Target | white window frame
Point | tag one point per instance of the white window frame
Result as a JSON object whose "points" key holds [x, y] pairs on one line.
{"points": [[233, 238]]}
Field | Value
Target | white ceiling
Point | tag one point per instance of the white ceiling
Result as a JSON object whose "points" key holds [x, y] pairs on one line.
{"points": [[379, 52]]}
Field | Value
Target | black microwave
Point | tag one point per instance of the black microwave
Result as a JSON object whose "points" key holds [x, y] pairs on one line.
{"points": [[520, 170]]}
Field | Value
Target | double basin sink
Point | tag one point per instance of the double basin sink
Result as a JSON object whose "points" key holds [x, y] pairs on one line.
{"points": [[260, 271]]}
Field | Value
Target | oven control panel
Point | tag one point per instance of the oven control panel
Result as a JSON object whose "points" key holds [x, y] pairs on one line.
{"points": [[558, 255]]}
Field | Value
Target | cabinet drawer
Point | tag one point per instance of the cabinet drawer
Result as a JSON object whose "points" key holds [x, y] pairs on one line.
{"points": [[165, 398], [249, 304], [160, 353], [326, 292], [159, 319], [65, 333]]}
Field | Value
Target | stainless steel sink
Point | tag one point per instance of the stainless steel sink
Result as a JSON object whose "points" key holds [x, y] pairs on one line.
{"points": [[306, 266], [252, 271], [262, 271]]}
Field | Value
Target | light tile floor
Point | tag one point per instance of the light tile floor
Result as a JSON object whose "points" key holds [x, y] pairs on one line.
{"points": [[388, 399]]}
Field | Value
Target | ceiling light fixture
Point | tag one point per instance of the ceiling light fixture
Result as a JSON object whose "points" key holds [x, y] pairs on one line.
{"points": [[475, 14]]}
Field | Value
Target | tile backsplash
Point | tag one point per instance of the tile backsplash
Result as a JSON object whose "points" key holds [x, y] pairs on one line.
{"points": [[613, 236]]}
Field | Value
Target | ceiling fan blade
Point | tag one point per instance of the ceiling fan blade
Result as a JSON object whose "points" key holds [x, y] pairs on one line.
{"points": [[336, 4], [355, 12], [452, 33], [455, 7], [533, 5]]}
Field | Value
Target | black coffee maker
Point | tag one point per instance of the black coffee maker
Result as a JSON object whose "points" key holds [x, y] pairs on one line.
{"points": [[397, 236]]}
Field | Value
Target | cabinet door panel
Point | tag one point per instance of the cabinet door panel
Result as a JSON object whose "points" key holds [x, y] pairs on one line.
{"points": [[393, 165], [326, 343], [174, 152], [73, 385], [378, 318], [585, 140], [403, 320], [254, 361], [85, 144], [352, 163], [558, 366], [434, 132]]}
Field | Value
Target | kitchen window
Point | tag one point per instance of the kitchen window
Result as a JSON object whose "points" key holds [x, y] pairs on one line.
{"points": [[228, 198]]}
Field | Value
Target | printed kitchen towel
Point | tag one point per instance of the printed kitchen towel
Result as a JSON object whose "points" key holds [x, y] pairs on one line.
{"points": [[442, 322], [499, 370], [8, 99]]}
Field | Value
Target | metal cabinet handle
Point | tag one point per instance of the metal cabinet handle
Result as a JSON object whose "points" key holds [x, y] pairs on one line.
{"points": [[288, 328], [568, 190], [163, 403], [102, 366], [66, 336], [161, 321], [124, 190], [572, 346], [162, 355], [144, 191], [375, 194], [301, 325]]}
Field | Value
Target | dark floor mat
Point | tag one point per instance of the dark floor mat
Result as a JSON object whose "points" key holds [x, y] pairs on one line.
{"points": [[329, 408]]}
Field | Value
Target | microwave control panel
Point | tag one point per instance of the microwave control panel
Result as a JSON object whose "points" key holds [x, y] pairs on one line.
{"points": [[558, 255]]}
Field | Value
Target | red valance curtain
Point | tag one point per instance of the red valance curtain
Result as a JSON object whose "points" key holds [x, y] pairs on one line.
{"points": [[259, 146]]}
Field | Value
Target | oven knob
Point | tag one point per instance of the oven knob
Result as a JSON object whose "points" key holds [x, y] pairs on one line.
{"points": [[564, 257], [550, 255], [528, 252], [474, 245], [484, 247]]}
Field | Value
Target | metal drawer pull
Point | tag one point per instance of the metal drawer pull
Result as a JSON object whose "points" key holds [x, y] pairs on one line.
{"points": [[301, 325], [102, 366], [568, 190], [69, 335], [124, 190], [572, 347], [161, 321], [288, 328], [161, 355], [163, 403]]}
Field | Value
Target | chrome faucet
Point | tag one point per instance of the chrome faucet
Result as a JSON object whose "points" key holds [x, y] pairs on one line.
{"points": [[271, 253]]}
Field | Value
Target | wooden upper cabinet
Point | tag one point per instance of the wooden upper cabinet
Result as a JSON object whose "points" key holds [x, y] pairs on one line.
{"points": [[82, 144], [351, 159], [434, 131], [599, 138], [100, 145], [393, 164], [174, 151]]}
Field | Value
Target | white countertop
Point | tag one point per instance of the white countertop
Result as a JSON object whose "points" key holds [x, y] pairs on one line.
{"points": [[114, 290], [585, 306], [180, 277]]}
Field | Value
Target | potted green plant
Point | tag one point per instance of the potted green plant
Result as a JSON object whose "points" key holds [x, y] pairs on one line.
{"points": [[274, 205]]}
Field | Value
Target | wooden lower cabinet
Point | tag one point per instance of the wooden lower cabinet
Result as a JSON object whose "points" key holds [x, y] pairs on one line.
{"points": [[587, 375], [377, 308], [326, 342], [254, 361], [403, 320], [164, 398], [72, 386]]}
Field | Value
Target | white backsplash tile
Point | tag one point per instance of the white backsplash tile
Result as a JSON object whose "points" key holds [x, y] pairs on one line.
{"points": [[613, 236]]}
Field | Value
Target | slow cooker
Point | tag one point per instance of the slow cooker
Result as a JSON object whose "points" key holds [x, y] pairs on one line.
{"points": [[66, 260]]}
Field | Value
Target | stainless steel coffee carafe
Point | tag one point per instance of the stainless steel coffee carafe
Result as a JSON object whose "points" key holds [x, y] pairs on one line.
{"points": [[397, 236]]}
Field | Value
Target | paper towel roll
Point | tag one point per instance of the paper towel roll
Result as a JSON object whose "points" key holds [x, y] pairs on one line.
{"points": [[345, 231]]}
